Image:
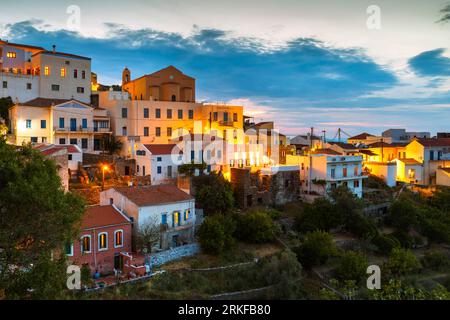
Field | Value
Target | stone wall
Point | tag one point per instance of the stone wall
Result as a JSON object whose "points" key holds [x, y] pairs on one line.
{"points": [[176, 253]]}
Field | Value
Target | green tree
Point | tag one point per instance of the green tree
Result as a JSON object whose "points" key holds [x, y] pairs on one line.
{"points": [[255, 227], [320, 215], [352, 266], [315, 250], [5, 104], [402, 262], [385, 243], [216, 234], [111, 144], [403, 214], [37, 218], [435, 260], [213, 193]]}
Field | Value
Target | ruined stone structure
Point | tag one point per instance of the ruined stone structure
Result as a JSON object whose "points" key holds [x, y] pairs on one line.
{"points": [[268, 186]]}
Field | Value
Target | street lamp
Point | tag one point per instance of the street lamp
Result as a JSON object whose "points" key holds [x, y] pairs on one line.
{"points": [[104, 168]]}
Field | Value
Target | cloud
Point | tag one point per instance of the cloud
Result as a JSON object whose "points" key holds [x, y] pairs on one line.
{"points": [[431, 63], [304, 82], [445, 14]]}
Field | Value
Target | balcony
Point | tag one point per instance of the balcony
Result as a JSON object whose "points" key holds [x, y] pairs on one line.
{"points": [[226, 123], [349, 177], [102, 130], [77, 129]]}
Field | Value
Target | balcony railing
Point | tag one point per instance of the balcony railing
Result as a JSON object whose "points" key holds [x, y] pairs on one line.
{"points": [[102, 130], [75, 129], [228, 123]]}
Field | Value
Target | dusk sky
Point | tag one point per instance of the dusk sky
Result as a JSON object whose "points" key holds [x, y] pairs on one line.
{"points": [[300, 63]]}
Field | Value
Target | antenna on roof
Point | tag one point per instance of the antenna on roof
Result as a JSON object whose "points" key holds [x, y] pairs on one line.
{"points": [[54, 48]]}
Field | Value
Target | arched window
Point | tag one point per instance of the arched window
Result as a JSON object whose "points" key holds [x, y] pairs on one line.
{"points": [[102, 241], [118, 238], [86, 244], [174, 97]]}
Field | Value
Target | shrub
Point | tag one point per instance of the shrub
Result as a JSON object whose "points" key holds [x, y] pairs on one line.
{"points": [[254, 227], [385, 243], [215, 234], [213, 193], [315, 250], [321, 215], [405, 240], [403, 261], [435, 260], [352, 266], [403, 214]]}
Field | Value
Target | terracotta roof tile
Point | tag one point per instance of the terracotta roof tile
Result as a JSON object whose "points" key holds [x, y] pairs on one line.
{"points": [[153, 195], [45, 102], [162, 149], [435, 142], [101, 216], [361, 136], [326, 151]]}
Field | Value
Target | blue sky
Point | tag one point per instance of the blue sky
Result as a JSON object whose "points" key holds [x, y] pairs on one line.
{"points": [[301, 63]]}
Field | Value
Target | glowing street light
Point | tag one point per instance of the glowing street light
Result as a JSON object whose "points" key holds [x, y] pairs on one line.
{"points": [[104, 168]]}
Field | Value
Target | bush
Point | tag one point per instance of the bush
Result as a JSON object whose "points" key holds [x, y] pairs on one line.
{"points": [[403, 214], [405, 240], [254, 227], [402, 262], [315, 250], [215, 234], [362, 226], [321, 215], [435, 260], [385, 243], [352, 266], [213, 193]]}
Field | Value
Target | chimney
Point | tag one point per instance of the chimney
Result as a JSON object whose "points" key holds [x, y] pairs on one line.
{"points": [[54, 48]]}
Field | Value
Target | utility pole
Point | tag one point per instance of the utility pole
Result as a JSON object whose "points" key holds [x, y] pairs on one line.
{"points": [[339, 134], [310, 159], [324, 140], [382, 151]]}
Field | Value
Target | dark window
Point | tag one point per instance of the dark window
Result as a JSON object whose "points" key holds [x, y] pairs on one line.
{"points": [[191, 114], [34, 139], [157, 113], [5, 84], [124, 131], [431, 155], [84, 123], [80, 90], [159, 159], [180, 114], [169, 131], [146, 131], [169, 113], [73, 141], [146, 113], [75, 73], [28, 86], [158, 131], [215, 116], [62, 141], [225, 116], [28, 124], [84, 143], [69, 157], [83, 74], [61, 123], [174, 98], [159, 170], [43, 124], [55, 87], [235, 117], [124, 113]]}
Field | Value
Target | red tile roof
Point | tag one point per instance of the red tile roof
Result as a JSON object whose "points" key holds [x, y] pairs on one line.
{"points": [[410, 161], [345, 146], [102, 216], [52, 150], [367, 152], [162, 149], [435, 142], [20, 45], [445, 170], [379, 144], [326, 151], [361, 136], [153, 195], [47, 149]]}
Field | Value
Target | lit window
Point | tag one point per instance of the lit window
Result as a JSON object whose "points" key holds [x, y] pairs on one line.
{"points": [[28, 124], [47, 70], [11, 55], [118, 238], [63, 72], [102, 241], [412, 173], [86, 244], [187, 214], [176, 218]]}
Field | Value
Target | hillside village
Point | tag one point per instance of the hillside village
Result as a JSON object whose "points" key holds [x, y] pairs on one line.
{"points": [[173, 187]]}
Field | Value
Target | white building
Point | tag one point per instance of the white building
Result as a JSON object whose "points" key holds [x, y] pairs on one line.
{"points": [[157, 161], [28, 72], [163, 205], [401, 135], [325, 170], [59, 122]]}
